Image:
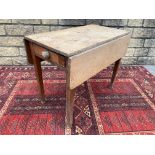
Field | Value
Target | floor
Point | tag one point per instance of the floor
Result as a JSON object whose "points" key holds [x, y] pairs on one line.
{"points": [[150, 68], [128, 108]]}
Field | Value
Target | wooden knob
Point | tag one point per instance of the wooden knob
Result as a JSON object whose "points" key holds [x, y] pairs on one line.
{"points": [[45, 54]]}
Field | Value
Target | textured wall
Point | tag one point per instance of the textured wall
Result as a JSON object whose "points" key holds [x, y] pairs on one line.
{"points": [[141, 48]]}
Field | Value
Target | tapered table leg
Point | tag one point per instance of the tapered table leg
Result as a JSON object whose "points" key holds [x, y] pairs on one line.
{"points": [[69, 97], [38, 71], [116, 66], [28, 52], [69, 106]]}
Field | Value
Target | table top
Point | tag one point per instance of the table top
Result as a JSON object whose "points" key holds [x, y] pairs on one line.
{"points": [[72, 41]]}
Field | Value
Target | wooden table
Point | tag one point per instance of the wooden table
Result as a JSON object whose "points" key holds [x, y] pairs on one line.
{"points": [[83, 51]]}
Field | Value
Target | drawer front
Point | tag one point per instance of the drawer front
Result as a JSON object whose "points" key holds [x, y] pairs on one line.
{"points": [[48, 55]]}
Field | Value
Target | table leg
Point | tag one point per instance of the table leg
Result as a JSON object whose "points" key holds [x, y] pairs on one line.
{"points": [[69, 97], [28, 51], [69, 106], [116, 66], [38, 71]]}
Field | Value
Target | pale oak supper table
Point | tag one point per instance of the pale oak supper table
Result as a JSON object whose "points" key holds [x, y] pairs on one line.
{"points": [[83, 51]]}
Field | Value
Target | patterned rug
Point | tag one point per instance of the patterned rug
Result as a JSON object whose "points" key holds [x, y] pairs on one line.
{"points": [[128, 108]]}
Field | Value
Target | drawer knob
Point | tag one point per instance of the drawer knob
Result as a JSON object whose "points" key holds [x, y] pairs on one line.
{"points": [[45, 54]]}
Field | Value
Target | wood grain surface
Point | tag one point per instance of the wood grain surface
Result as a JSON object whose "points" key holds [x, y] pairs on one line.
{"points": [[72, 41], [85, 65]]}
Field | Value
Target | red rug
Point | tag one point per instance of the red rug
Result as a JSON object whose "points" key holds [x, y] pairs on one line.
{"points": [[129, 108]]}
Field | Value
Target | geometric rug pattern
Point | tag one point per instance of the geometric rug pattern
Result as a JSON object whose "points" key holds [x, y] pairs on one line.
{"points": [[128, 108]]}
